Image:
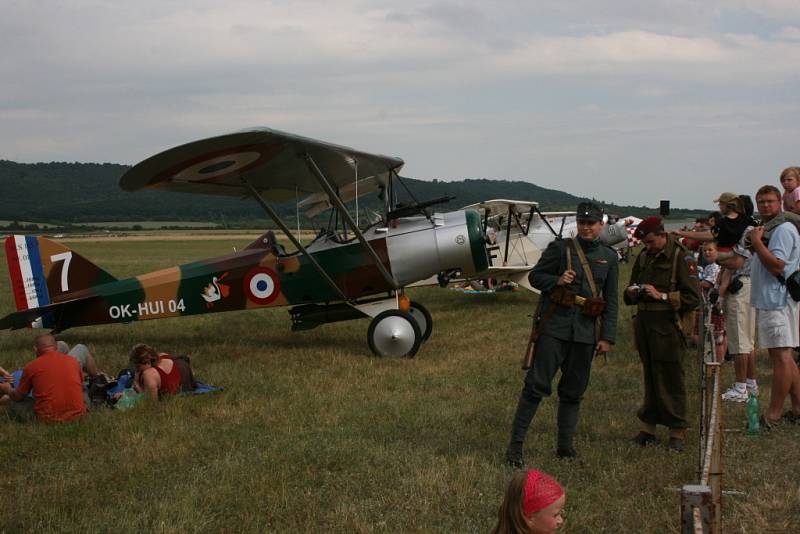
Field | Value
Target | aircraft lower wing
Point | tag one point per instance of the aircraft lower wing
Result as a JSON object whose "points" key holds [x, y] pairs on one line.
{"points": [[516, 274]]}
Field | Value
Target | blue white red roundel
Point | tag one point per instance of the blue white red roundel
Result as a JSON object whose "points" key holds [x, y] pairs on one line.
{"points": [[262, 285], [214, 167]]}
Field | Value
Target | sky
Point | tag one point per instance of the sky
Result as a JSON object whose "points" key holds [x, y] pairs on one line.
{"points": [[626, 101]]}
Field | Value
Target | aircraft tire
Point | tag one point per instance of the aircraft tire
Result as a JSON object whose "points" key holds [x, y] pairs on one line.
{"points": [[394, 333], [424, 320]]}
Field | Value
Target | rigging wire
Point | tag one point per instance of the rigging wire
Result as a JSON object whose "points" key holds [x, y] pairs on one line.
{"points": [[297, 209], [355, 166]]}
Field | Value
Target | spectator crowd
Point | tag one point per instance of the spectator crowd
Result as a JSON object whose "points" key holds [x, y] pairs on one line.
{"points": [[750, 257]]}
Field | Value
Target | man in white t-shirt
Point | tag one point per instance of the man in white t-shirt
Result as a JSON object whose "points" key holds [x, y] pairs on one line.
{"points": [[778, 313]]}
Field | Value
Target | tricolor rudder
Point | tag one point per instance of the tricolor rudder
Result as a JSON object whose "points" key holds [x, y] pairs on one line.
{"points": [[28, 283]]}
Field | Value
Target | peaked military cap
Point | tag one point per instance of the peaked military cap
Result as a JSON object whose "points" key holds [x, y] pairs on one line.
{"points": [[589, 211]]}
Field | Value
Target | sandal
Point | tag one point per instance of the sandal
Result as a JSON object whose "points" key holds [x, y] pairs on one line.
{"points": [[790, 417], [768, 425]]}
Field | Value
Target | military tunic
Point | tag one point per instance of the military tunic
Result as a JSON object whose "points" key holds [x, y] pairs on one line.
{"points": [[658, 339], [567, 339]]}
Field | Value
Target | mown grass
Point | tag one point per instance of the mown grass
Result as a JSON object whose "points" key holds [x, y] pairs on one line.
{"points": [[313, 434]]}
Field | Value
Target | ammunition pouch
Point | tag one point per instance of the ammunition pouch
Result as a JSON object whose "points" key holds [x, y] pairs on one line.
{"points": [[562, 296], [590, 306], [593, 306]]}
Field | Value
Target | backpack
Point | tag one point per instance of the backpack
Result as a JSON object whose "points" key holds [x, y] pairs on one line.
{"points": [[184, 364], [99, 387]]}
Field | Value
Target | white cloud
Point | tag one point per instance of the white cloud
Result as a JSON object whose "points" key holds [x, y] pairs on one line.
{"points": [[509, 89], [788, 33]]}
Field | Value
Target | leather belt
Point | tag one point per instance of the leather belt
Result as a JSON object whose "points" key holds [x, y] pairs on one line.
{"points": [[654, 306]]}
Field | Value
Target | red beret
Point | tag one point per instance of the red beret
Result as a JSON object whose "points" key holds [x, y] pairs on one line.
{"points": [[650, 224]]}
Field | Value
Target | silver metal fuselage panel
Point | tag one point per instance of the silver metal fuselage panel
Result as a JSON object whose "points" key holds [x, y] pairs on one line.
{"points": [[419, 249]]}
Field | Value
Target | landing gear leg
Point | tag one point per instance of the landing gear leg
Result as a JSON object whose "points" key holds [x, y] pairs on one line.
{"points": [[423, 318]]}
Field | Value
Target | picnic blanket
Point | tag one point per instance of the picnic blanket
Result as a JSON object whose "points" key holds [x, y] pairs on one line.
{"points": [[124, 381]]}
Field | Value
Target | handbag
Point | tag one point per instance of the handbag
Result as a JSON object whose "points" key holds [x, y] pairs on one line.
{"points": [[793, 285]]}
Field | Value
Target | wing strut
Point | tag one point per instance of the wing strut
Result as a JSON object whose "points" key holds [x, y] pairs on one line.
{"points": [[292, 238], [527, 226], [544, 219], [312, 166], [508, 232]]}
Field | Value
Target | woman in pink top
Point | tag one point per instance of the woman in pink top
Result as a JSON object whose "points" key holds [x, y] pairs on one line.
{"points": [[156, 374]]}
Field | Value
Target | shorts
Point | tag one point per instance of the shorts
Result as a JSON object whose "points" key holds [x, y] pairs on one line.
{"points": [[740, 320], [79, 352], [778, 328]]}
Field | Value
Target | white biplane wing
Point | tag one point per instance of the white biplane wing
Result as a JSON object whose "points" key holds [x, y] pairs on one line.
{"points": [[518, 275]]}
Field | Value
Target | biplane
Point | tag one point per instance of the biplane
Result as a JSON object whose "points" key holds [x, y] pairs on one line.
{"points": [[517, 232], [355, 268]]}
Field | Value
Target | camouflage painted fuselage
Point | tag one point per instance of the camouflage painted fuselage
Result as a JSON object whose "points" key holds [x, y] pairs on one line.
{"points": [[57, 288]]}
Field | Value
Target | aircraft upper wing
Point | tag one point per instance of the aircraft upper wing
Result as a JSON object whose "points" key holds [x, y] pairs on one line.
{"points": [[501, 205], [270, 160]]}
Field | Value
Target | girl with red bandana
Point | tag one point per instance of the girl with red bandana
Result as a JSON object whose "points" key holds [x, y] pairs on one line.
{"points": [[532, 505]]}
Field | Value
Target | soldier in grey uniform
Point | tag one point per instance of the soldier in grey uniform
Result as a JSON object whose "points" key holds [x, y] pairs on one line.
{"points": [[569, 334]]}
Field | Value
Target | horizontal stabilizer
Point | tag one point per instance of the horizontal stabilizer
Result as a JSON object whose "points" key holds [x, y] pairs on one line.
{"points": [[42, 317]]}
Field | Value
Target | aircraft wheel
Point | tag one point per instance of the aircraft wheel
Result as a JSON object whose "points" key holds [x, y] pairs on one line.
{"points": [[423, 318], [394, 333]]}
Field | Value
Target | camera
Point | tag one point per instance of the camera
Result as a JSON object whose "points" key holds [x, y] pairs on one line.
{"points": [[736, 286], [639, 291]]}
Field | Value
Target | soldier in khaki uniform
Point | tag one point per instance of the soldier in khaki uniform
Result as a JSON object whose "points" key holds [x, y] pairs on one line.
{"points": [[664, 287], [569, 329]]}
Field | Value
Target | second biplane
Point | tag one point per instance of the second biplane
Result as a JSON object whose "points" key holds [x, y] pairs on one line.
{"points": [[517, 232], [347, 272]]}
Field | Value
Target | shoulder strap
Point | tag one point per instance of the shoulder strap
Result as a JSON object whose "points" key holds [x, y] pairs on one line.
{"points": [[673, 281], [585, 265], [569, 256]]}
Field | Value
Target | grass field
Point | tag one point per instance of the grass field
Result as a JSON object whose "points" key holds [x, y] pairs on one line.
{"points": [[313, 434]]}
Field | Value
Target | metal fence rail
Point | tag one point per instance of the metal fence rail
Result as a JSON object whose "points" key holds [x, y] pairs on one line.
{"points": [[701, 503]]}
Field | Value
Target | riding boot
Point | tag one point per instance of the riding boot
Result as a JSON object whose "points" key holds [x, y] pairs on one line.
{"points": [[567, 422], [522, 420]]}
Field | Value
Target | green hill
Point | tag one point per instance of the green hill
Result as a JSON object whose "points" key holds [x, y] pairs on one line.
{"points": [[74, 193]]}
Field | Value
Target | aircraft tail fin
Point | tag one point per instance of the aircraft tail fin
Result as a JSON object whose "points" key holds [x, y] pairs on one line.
{"points": [[44, 272]]}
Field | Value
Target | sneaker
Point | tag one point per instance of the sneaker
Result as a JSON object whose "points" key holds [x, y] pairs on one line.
{"points": [[735, 395], [752, 390]]}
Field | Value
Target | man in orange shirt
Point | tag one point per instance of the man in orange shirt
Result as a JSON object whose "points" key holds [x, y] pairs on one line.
{"points": [[57, 382]]}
